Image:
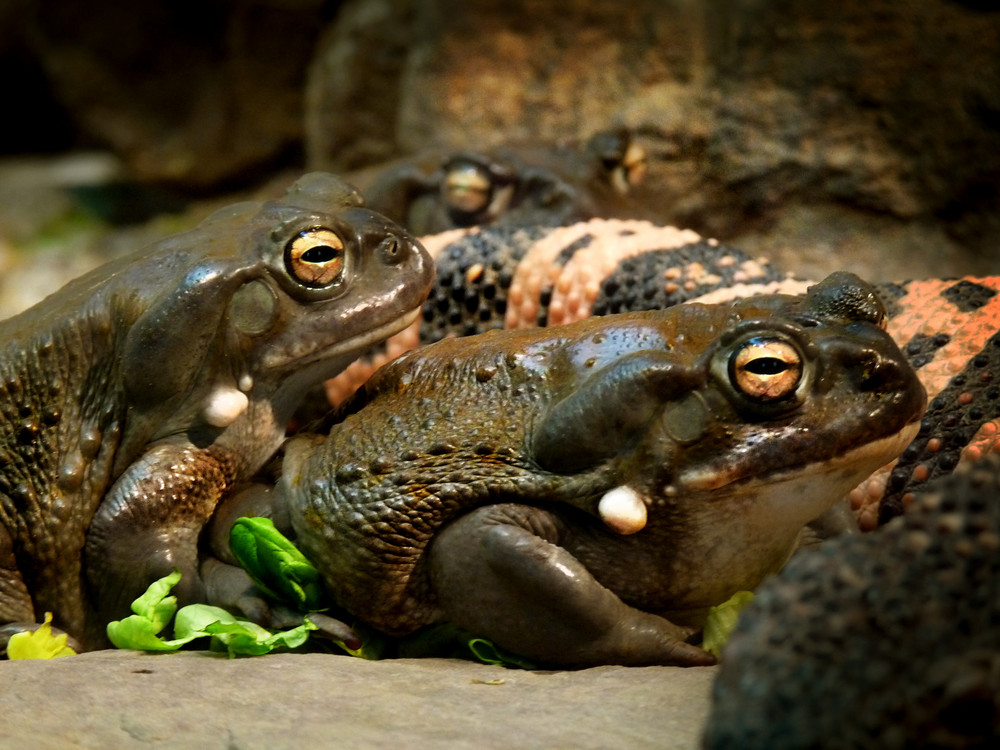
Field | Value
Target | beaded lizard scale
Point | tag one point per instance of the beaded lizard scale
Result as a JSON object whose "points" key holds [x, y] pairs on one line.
{"points": [[888, 640]]}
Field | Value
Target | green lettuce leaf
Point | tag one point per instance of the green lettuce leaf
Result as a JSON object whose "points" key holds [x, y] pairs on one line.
{"points": [[240, 637], [276, 565], [154, 609], [243, 638], [153, 612], [721, 620], [489, 653], [448, 640]]}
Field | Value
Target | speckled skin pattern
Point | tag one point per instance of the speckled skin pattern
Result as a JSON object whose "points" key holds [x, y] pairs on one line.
{"points": [[512, 278], [884, 640]]}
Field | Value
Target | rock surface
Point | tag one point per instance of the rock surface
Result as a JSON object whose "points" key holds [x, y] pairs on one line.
{"points": [[825, 134], [191, 94], [130, 699], [862, 115]]}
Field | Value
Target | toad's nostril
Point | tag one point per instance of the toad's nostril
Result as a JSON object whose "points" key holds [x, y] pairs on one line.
{"points": [[874, 372], [869, 368], [391, 250]]}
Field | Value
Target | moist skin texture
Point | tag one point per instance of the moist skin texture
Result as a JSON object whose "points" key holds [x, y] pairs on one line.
{"points": [[582, 494], [137, 395]]}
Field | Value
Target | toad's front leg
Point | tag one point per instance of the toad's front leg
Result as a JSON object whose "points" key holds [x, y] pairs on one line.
{"points": [[150, 522], [500, 573]]}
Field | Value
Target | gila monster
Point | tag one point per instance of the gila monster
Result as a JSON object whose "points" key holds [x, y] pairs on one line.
{"points": [[505, 277], [888, 640]]}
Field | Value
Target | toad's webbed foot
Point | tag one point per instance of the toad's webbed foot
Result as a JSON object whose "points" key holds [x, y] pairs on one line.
{"points": [[499, 573], [229, 587]]}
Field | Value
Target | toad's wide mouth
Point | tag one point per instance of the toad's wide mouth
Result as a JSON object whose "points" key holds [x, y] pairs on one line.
{"points": [[370, 338], [850, 467], [353, 346]]}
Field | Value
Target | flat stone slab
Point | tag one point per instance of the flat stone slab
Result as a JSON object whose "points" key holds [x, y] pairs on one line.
{"points": [[122, 699]]}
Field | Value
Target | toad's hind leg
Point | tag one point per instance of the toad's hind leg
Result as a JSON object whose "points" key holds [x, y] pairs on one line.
{"points": [[149, 524], [499, 572]]}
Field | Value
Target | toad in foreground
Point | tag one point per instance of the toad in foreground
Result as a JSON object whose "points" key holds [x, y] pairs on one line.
{"points": [[136, 396], [583, 494]]}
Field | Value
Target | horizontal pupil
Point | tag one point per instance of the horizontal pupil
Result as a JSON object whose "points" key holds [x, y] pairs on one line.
{"points": [[766, 366], [319, 254]]}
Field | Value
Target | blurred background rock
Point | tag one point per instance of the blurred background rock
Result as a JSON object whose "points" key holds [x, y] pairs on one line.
{"points": [[860, 134]]}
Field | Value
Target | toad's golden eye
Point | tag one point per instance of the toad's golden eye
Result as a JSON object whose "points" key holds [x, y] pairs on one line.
{"points": [[467, 188], [315, 257], [766, 369]]}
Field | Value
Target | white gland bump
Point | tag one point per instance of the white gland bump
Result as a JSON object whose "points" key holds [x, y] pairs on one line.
{"points": [[224, 406], [623, 510]]}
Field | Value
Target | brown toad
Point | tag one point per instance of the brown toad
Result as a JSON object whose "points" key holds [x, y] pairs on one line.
{"points": [[583, 494], [135, 396]]}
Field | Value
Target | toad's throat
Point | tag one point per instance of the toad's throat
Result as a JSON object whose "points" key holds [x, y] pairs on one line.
{"points": [[625, 510], [856, 463]]}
